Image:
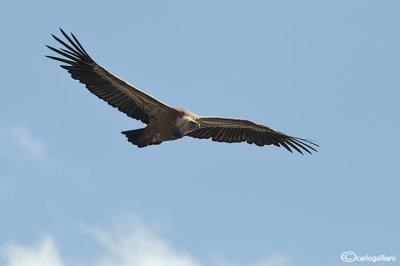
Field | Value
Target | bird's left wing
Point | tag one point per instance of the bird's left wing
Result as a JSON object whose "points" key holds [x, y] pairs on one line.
{"points": [[115, 91], [237, 130]]}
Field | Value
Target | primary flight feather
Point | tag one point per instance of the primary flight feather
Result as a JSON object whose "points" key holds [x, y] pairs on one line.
{"points": [[163, 122]]}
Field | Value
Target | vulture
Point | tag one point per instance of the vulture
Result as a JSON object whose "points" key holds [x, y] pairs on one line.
{"points": [[163, 121]]}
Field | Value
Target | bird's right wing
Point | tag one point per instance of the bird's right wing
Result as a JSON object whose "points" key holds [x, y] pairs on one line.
{"points": [[237, 130], [115, 91]]}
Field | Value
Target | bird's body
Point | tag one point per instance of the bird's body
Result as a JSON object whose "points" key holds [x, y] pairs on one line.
{"points": [[169, 127], [164, 122]]}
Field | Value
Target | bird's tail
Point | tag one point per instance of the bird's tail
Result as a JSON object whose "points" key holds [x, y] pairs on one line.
{"points": [[135, 137]]}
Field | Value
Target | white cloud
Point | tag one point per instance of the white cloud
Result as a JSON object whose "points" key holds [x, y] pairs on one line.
{"points": [[275, 260], [127, 243], [43, 253], [18, 141]]}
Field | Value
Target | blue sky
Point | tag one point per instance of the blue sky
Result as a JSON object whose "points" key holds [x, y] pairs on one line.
{"points": [[73, 191]]}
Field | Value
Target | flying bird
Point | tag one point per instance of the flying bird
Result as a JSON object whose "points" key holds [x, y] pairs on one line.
{"points": [[163, 121]]}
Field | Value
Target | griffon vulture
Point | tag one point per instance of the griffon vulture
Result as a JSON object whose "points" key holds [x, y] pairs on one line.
{"points": [[163, 122]]}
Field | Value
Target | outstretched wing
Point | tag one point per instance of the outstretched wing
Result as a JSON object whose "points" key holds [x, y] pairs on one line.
{"points": [[116, 92], [237, 130]]}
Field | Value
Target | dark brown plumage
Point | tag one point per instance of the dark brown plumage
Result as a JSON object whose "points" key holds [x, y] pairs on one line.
{"points": [[163, 122]]}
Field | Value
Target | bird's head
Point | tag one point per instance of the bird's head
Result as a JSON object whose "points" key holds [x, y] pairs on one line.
{"points": [[191, 125], [187, 124]]}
